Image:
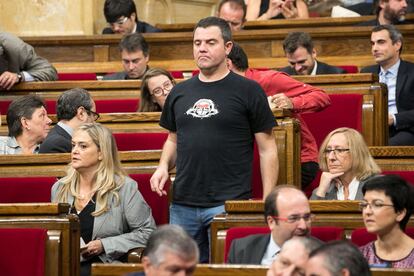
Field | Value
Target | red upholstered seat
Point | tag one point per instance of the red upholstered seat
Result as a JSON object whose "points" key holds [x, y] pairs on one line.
{"points": [[407, 175], [320, 232], [76, 76], [140, 141], [361, 237], [25, 189], [159, 205], [22, 251], [345, 111], [350, 69], [177, 74]]}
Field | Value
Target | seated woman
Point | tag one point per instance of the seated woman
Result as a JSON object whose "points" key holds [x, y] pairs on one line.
{"points": [[276, 9], [28, 126], [156, 85], [386, 209], [346, 164], [114, 217]]}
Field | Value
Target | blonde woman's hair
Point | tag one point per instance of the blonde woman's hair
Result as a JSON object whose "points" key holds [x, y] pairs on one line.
{"points": [[363, 165], [146, 104], [109, 176]]}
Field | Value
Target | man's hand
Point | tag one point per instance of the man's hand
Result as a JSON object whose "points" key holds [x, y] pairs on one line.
{"points": [[158, 180], [8, 79], [280, 101], [390, 120]]}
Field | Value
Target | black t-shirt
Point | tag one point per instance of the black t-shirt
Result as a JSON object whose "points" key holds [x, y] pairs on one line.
{"points": [[215, 124]]}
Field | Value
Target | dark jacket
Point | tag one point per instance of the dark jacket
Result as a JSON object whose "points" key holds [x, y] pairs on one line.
{"points": [[248, 250], [142, 27], [58, 140], [322, 69]]}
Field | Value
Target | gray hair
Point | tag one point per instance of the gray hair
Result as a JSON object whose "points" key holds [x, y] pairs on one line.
{"points": [[170, 238], [339, 255], [309, 243]]}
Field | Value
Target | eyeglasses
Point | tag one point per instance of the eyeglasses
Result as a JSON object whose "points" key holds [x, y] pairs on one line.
{"points": [[93, 114], [375, 205], [119, 22], [337, 152], [166, 87], [295, 218]]}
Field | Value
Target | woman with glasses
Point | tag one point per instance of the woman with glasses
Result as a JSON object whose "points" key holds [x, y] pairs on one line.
{"points": [[155, 87], [386, 209], [346, 164], [114, 217]]}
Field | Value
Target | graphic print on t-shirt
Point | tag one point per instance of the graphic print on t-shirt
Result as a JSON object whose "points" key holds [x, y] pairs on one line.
{"points": [[203, 108]]}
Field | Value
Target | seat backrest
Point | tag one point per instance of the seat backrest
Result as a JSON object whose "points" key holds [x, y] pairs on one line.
{"points": [[140, 141], [350, 69], [159, 205], [360, 236], [321, 232], [25, 189], [177, 74], [22, 251], [407, 175], [102, 106], [345, 111]]}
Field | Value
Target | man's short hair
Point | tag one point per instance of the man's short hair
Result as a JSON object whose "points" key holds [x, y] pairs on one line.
{"points": [[309, 243], [218, 22], [19, 108], [238, 57], [270, 205], [134, 42], [393, 32], [294, 40], [69, 101], [339, 255], [173, 239], [114, 9], [234, 4]]}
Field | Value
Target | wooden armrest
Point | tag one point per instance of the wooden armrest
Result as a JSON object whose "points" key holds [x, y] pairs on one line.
{"points": [[135, 255]]}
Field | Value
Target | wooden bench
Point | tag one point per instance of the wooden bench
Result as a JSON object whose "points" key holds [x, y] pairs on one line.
{"points": [[344, 214], [63, 243], [219, 270], [329, 41]]}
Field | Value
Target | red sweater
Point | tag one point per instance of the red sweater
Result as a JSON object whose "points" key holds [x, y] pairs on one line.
{"points": [[305, 99]]}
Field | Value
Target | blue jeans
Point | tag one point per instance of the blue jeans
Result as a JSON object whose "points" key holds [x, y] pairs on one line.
{"points": [[196, 221]]}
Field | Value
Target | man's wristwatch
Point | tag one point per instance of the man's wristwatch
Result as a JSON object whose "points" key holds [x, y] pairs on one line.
{"points": [[19, 77]]}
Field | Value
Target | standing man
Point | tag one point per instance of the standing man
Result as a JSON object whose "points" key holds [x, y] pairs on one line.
{"points": [[122, 17], [135, 57], [74, 107], [286, 92], [20, 63], [386, 42], [301, 55], [287, 213], [234, 12], [213, 119]]}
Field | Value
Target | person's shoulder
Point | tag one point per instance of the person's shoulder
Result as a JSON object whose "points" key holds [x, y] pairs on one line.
{"points": [[144, 27], [372, 22], [370, 69], [288, 70], [115, 76], [107, 30], [407, 64], [251, 239]]}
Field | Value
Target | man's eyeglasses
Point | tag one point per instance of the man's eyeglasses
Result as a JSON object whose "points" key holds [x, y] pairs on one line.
{"points": [[166, 87], [375, 205], [119, 22], [337, 152], [93, 114], [295, 218]]}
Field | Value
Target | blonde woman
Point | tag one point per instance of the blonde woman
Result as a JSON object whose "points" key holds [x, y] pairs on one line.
{"points": [[114, 217], [155, 86], [346, 164]]}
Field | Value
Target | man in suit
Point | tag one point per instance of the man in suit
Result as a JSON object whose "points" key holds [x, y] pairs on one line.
{"points": [[135, 57], [234, 12], [169, 251], [397, 74], [74, 107], [301, 55], [287, 213], [122, 17]]}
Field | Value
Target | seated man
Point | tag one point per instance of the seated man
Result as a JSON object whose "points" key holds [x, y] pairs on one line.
{"points": [[234, 12], [388, 12], [74, 107], [293, 256], [287, 213], [337, 258], [170, 251], [286, 92], [301, 55], [135, 56], [397, 74], [20, 63], [122, 16]]}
